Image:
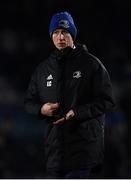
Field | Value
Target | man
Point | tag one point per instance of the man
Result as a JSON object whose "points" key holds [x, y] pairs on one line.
{"points": [[71, 91]]}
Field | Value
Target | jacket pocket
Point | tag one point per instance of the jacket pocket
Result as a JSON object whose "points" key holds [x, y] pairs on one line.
{"points": [[90, 130]]}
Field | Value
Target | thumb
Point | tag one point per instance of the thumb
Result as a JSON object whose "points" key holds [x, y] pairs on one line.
{"points": [[54, 105]]}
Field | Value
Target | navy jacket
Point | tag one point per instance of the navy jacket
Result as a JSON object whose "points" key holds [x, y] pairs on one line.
{"points": [[79, 81]]}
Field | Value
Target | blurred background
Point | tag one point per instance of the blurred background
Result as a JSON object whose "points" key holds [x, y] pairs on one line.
{"points": [[104, 26]]}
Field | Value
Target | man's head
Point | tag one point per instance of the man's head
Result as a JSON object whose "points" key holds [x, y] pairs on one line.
{"points": [[62, 30]]}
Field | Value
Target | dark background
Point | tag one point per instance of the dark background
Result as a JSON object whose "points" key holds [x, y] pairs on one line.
{"points": [[104, 26]]}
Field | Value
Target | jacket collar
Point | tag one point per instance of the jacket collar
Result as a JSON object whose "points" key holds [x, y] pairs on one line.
{"points": [[68, 52]]}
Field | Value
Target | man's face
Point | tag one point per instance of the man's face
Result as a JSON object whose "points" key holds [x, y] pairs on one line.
{"points": [[62, 39]]}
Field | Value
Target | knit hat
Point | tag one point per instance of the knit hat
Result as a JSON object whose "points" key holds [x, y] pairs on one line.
{"points": [[63, 20]]}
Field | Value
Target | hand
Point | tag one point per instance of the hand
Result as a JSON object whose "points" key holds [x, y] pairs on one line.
{"points": [[69, 115], [49, 108]]}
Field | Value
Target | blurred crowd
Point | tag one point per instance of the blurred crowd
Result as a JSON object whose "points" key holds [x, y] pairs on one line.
{"points": [[24, 43]]}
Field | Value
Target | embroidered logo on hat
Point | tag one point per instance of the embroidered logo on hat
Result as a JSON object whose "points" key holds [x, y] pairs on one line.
{"points": [[64, 23]]}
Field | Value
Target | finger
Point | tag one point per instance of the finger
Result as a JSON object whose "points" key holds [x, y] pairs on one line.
{"points": [[54, 106], [60, 121], [69, 115]]}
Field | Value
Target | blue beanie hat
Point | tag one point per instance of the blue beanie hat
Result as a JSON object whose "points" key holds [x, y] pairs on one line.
{"points": [[63, 20]]}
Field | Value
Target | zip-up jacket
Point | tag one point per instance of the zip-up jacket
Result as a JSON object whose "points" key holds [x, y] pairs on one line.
{"points": [[79, 81]]}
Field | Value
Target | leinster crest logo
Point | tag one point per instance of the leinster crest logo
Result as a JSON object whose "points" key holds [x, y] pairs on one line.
{"points": [[64, 23], [77, 74]]}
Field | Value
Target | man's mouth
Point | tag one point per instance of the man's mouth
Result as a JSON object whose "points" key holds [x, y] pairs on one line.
{"points": [[61, 44]]}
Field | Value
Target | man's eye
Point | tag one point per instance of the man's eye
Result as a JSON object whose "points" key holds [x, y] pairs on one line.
{"points": [[55, 32], [64, 32]]}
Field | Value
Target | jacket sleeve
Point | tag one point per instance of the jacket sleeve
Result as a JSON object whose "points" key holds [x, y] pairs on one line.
{"points": [[31, 100], [102, 96]]}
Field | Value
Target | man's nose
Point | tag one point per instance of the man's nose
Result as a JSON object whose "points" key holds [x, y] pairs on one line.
{"points": [[61, 36]]}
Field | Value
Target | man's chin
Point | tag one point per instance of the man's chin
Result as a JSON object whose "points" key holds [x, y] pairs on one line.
{"points": [[61, 46]]}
